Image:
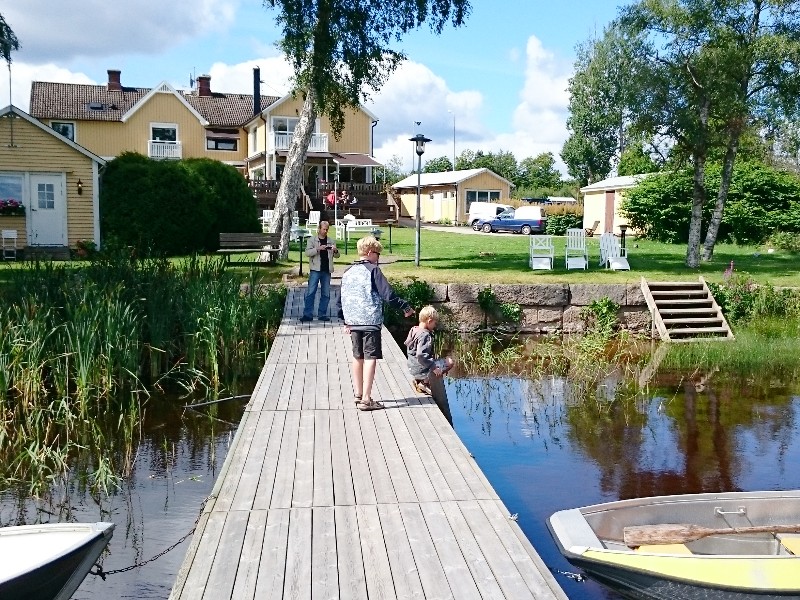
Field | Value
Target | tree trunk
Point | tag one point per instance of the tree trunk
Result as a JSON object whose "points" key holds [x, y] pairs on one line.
{"points": [[292, 178], [722, 195], [699, 193]]}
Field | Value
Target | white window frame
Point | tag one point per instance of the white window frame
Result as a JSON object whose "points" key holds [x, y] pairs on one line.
{"points": [[164, 126], [69, 124]]}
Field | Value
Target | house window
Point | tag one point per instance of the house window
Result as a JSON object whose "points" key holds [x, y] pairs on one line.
{"points": [[65, 129], [284, 124], [164, 132], [483, 195], [222, 140], [46, 196], [11, 187]]}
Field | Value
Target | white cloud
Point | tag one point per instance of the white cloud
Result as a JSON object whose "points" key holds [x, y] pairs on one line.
{"points": [[414, 93], [23, 74], [68, 29], [276, 74]]}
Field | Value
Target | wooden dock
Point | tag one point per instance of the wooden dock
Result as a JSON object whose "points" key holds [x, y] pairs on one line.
{"points": [[318, 500]]}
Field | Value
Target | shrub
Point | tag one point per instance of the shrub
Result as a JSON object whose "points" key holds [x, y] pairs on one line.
{"points": [[760, 201], [557, 224], [783, 240]]}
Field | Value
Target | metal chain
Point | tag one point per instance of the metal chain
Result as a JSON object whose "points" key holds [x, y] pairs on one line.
{"points": [[102, 574]]}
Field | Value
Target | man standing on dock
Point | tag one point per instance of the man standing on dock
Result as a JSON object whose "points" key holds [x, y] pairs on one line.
{"points": [[364, 290]]}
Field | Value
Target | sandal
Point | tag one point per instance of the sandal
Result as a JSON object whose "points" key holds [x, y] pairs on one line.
{"points": [[358, 399], [370, 405]]}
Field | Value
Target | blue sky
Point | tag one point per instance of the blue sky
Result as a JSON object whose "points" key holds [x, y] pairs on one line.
{"points": [[502, 76]]}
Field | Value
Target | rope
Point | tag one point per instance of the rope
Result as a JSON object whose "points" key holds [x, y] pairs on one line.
{"points": [[217, 401], [103, 574]]}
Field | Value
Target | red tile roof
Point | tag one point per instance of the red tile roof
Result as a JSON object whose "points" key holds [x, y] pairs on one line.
{"points": [[71, 101]]}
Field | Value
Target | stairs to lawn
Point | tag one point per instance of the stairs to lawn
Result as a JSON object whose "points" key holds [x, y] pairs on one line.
{"points": [[685, 311]]}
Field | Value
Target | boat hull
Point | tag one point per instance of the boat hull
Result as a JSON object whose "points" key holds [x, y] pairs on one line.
{"points": [[67, 554], [728, 565]]}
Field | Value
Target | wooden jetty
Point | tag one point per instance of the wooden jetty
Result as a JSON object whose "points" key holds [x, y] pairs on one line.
{"points": [[318, 500]]}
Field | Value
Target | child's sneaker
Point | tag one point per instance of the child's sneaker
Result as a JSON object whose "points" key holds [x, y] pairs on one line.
{"points": [[422, 388]]}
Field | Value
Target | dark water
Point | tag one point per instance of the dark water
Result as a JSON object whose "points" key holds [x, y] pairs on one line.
{"points": [[544, 450], [174, 464], [542, 447]]}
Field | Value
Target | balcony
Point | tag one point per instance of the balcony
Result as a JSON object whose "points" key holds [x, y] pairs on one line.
{"points": [[158, 149], [281, 141]]}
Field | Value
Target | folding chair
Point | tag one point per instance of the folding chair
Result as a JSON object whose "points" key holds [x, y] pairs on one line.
{"points": [[575, 254], [542, 252], [611, 255], [9, 237], [590, 231]]}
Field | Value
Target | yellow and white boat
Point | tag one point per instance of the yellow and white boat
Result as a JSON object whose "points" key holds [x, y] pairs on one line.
{"points": [[733, 545]]}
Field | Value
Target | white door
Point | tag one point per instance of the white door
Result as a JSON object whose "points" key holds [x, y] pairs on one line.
{"points": [[47, 213], [438, 198]]}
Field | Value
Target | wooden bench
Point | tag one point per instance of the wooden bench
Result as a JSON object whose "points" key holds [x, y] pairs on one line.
{"points": [[354, 226], [243, 243]]}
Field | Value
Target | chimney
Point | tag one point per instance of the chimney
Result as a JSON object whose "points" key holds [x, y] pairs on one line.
{"points": [[114, 84], [256, 90], [204, 85]]}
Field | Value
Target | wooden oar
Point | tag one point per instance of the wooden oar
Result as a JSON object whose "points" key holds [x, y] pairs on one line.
{"points": [[675, 533]]}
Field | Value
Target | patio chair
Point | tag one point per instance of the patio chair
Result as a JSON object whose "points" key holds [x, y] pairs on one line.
{"points": [[590, 231], [9, 237], [611, 255], [575, 253], [267, 216], [313, 219], [542, 252]]}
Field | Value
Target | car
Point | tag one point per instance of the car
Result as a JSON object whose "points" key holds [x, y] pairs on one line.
{"points": [[484, 210], [525, 220]]}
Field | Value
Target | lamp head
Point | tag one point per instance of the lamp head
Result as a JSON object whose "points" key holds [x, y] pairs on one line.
{"points": [[80, 187], [419, 142]]}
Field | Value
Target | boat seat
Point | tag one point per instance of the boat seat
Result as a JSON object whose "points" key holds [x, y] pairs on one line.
{"points": [[664, 549], [790, 541]]}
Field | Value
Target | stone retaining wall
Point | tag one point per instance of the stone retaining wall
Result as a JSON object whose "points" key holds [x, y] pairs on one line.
{"points": [[546, 307]]}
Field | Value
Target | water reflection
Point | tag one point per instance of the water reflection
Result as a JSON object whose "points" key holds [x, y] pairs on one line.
{"points": [[547, 445], [172, 467]]}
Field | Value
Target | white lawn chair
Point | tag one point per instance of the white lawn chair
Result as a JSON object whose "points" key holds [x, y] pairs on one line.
{"points": [[542, 252], [313, 219], [267, 216], [575, 254], [294, 232], [9, 237], [611, 255]]}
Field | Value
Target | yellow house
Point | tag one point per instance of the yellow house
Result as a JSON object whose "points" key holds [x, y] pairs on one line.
{"points": [[601, 201], [249, 131], [347, 159], [55, 179], [448, 195]]}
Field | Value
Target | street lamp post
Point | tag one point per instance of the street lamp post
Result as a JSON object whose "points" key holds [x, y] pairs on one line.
{"points": [[454, 138], [417, 123], [419, 147]]}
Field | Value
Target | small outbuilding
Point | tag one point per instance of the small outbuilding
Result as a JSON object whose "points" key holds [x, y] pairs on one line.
{"points": [[54, 180], [601, 201], [449, 194]]}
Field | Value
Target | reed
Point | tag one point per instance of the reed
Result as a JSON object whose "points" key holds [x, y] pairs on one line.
{"points": [[78, 345]]}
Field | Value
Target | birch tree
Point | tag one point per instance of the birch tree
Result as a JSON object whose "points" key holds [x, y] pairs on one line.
{"points": [[714, 67], [341, 52]]}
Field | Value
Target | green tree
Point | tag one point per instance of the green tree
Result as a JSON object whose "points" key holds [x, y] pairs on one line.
{"points": [[438, 165], [341, 52], [391, 172], [635, 160], [602, 93], [8, 41], [713, 67], [503, 163], [539, 172]]}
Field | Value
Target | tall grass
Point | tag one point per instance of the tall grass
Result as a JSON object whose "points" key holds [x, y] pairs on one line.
{"points": [[80, 344]]}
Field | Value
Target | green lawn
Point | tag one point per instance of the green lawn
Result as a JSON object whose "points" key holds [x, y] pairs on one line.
{"points": [[491, 258]]}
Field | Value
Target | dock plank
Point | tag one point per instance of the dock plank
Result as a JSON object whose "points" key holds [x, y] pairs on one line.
{"points": [[319, 500]]}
